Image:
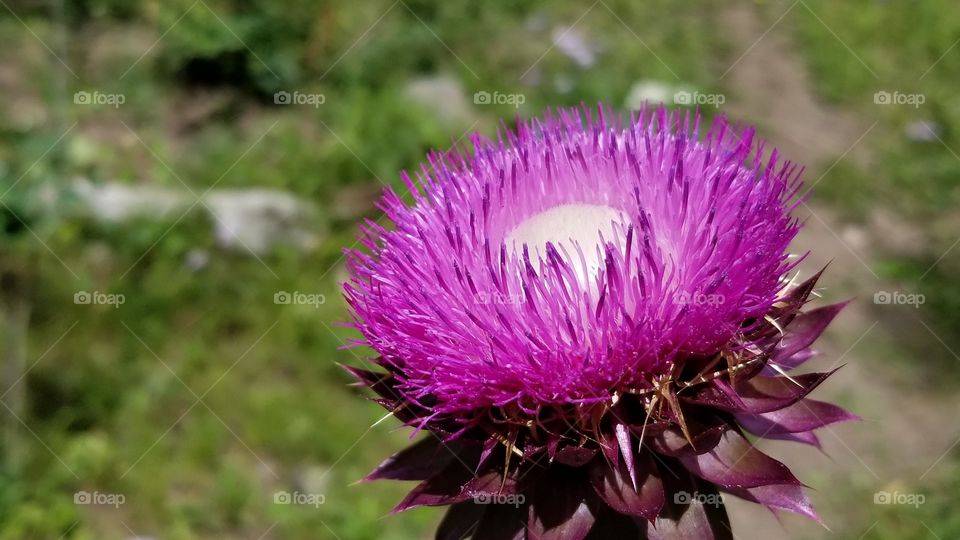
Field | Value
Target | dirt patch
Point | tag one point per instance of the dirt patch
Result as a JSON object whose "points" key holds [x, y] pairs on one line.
{"points": [[769, 84]]}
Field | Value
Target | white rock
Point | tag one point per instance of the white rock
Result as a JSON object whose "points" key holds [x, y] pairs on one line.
{"points": [[855, 236], [258, 219], [117, 202], [563, 84], [574, 43], [196, 259], [442, 94], [313, 479], [922, 131], [247, 220], [649, 91]]}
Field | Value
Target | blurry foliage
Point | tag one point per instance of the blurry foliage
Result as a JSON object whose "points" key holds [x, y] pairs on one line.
{"points": [[936, 281], [935, 517]]}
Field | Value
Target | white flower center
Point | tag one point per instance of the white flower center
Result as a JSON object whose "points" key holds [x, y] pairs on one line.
{"points": [[565, 225]]}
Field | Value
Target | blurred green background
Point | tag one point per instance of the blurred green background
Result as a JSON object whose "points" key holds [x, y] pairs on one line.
{"points": [[178, 180]]}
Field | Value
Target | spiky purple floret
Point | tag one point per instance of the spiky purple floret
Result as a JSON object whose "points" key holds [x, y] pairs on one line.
{"points": [[466, 321]]}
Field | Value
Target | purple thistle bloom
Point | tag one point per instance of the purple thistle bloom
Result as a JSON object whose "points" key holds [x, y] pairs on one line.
{"points": [[609, 305]]}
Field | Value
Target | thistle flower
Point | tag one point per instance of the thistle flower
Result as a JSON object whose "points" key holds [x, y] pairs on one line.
{"points": [[588, 317]]}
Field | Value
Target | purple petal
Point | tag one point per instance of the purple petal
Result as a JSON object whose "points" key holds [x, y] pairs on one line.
{"points": [[710, 395], [804, 415], [734, 462], [610, 446], [575, 456], [672, 442], [491, 482], [783, 497], [459, 521], [444, 487], [694, 511], [612, 524], [765, 394], [502, 522], [804, 437], [616, 488], [799, 294], [416, 462], [789, 362], [626, 450], [563, 507], [804, 330], [382, 383]]}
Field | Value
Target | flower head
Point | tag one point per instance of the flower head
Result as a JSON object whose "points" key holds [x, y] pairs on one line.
{"points": [[609, 304]]}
